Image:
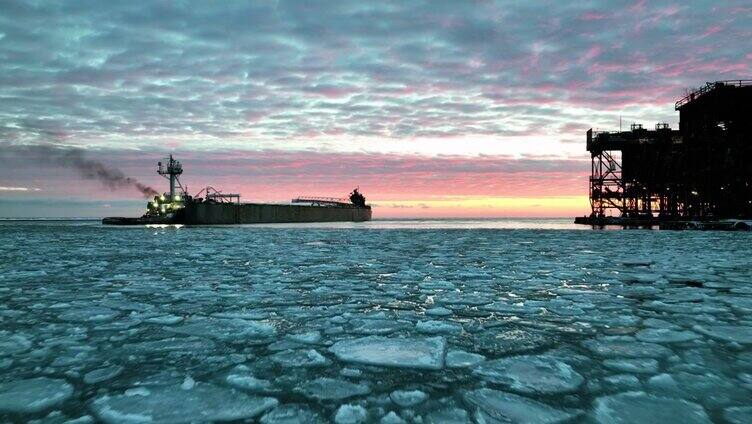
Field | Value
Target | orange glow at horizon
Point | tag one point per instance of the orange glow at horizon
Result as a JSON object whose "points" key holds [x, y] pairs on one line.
{"points": [[483, 207]]}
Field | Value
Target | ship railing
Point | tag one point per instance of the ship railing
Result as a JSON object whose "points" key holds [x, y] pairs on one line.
{"points": [[334, 201], [223, 198], [709, 87]]}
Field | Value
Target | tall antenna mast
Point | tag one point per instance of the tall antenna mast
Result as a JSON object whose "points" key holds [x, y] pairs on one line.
{"points": [[171, 171]]}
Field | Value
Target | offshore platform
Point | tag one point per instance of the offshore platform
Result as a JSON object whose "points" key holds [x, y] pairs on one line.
{"points": [[698, 175], [212, 207]]}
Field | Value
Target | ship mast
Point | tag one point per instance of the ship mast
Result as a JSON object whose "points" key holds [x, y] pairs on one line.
{"points": [[171, 171]]}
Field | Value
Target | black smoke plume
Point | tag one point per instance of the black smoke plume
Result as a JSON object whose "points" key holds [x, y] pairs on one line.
{"points": [[75, 158]]}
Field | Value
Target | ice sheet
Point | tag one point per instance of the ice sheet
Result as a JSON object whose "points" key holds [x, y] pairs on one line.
{"points": [[280, 324]]}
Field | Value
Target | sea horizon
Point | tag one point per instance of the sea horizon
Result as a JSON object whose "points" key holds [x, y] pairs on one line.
{"points": [[546, 223]]}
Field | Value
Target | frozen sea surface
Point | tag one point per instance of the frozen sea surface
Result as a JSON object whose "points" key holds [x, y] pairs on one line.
{"points": [[407, 321]]}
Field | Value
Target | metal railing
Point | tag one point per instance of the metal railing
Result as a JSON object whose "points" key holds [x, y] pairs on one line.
{"points": [[707, 88], [321, 200]]}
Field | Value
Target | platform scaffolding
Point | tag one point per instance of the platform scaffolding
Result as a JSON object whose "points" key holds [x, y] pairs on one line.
{"points": [[606, 184], [700, 171]]}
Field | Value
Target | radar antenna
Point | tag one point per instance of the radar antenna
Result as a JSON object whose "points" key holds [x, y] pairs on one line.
{"points": [[172, 170]]}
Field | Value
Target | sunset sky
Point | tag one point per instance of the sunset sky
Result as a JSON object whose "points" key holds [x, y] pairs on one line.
{"points": [[434, 108]]}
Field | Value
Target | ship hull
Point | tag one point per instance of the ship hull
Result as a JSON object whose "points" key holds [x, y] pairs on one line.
{"points": [[118, 220], [260, 213], [251, 213]]}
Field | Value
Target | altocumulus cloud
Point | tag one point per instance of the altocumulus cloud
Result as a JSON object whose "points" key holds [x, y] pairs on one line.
{"points": [[214, 81], [143, 72]]}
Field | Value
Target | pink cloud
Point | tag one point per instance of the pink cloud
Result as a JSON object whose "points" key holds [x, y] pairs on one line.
{"points": [[592, 53], [281, 175], [638, 6], [593, 16], [713, 29]]}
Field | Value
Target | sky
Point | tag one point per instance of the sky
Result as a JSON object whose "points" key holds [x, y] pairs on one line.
{"points": [[433, 108]]}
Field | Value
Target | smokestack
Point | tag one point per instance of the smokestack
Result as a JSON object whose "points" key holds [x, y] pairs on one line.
{"points": [[75, 158]]}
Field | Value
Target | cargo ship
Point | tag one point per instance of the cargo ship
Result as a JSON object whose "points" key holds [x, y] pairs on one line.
{"points": [[212, 207]]}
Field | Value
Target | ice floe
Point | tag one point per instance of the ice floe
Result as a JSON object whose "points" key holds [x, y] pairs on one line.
{"points": [[531, 374], [663, 383], [493, 406], [392, 418], [621, 382], [300, 358], [242, 377], [164, 319], [311, 337], [408, 398], [625, 347], [448, 415], [499, 342], [728, 333], [291, 414], [665, 335], [738, 414], [190, 346], [33, 395], [640, 408], [462, 359], [325, 388], [350, 414], [378, 326], [13, 343], [237, 330], [425, 353], [633, 365], [438, 327], [438, 312], [102, 374], [171, 404], [701, 386], [88, 313]]}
